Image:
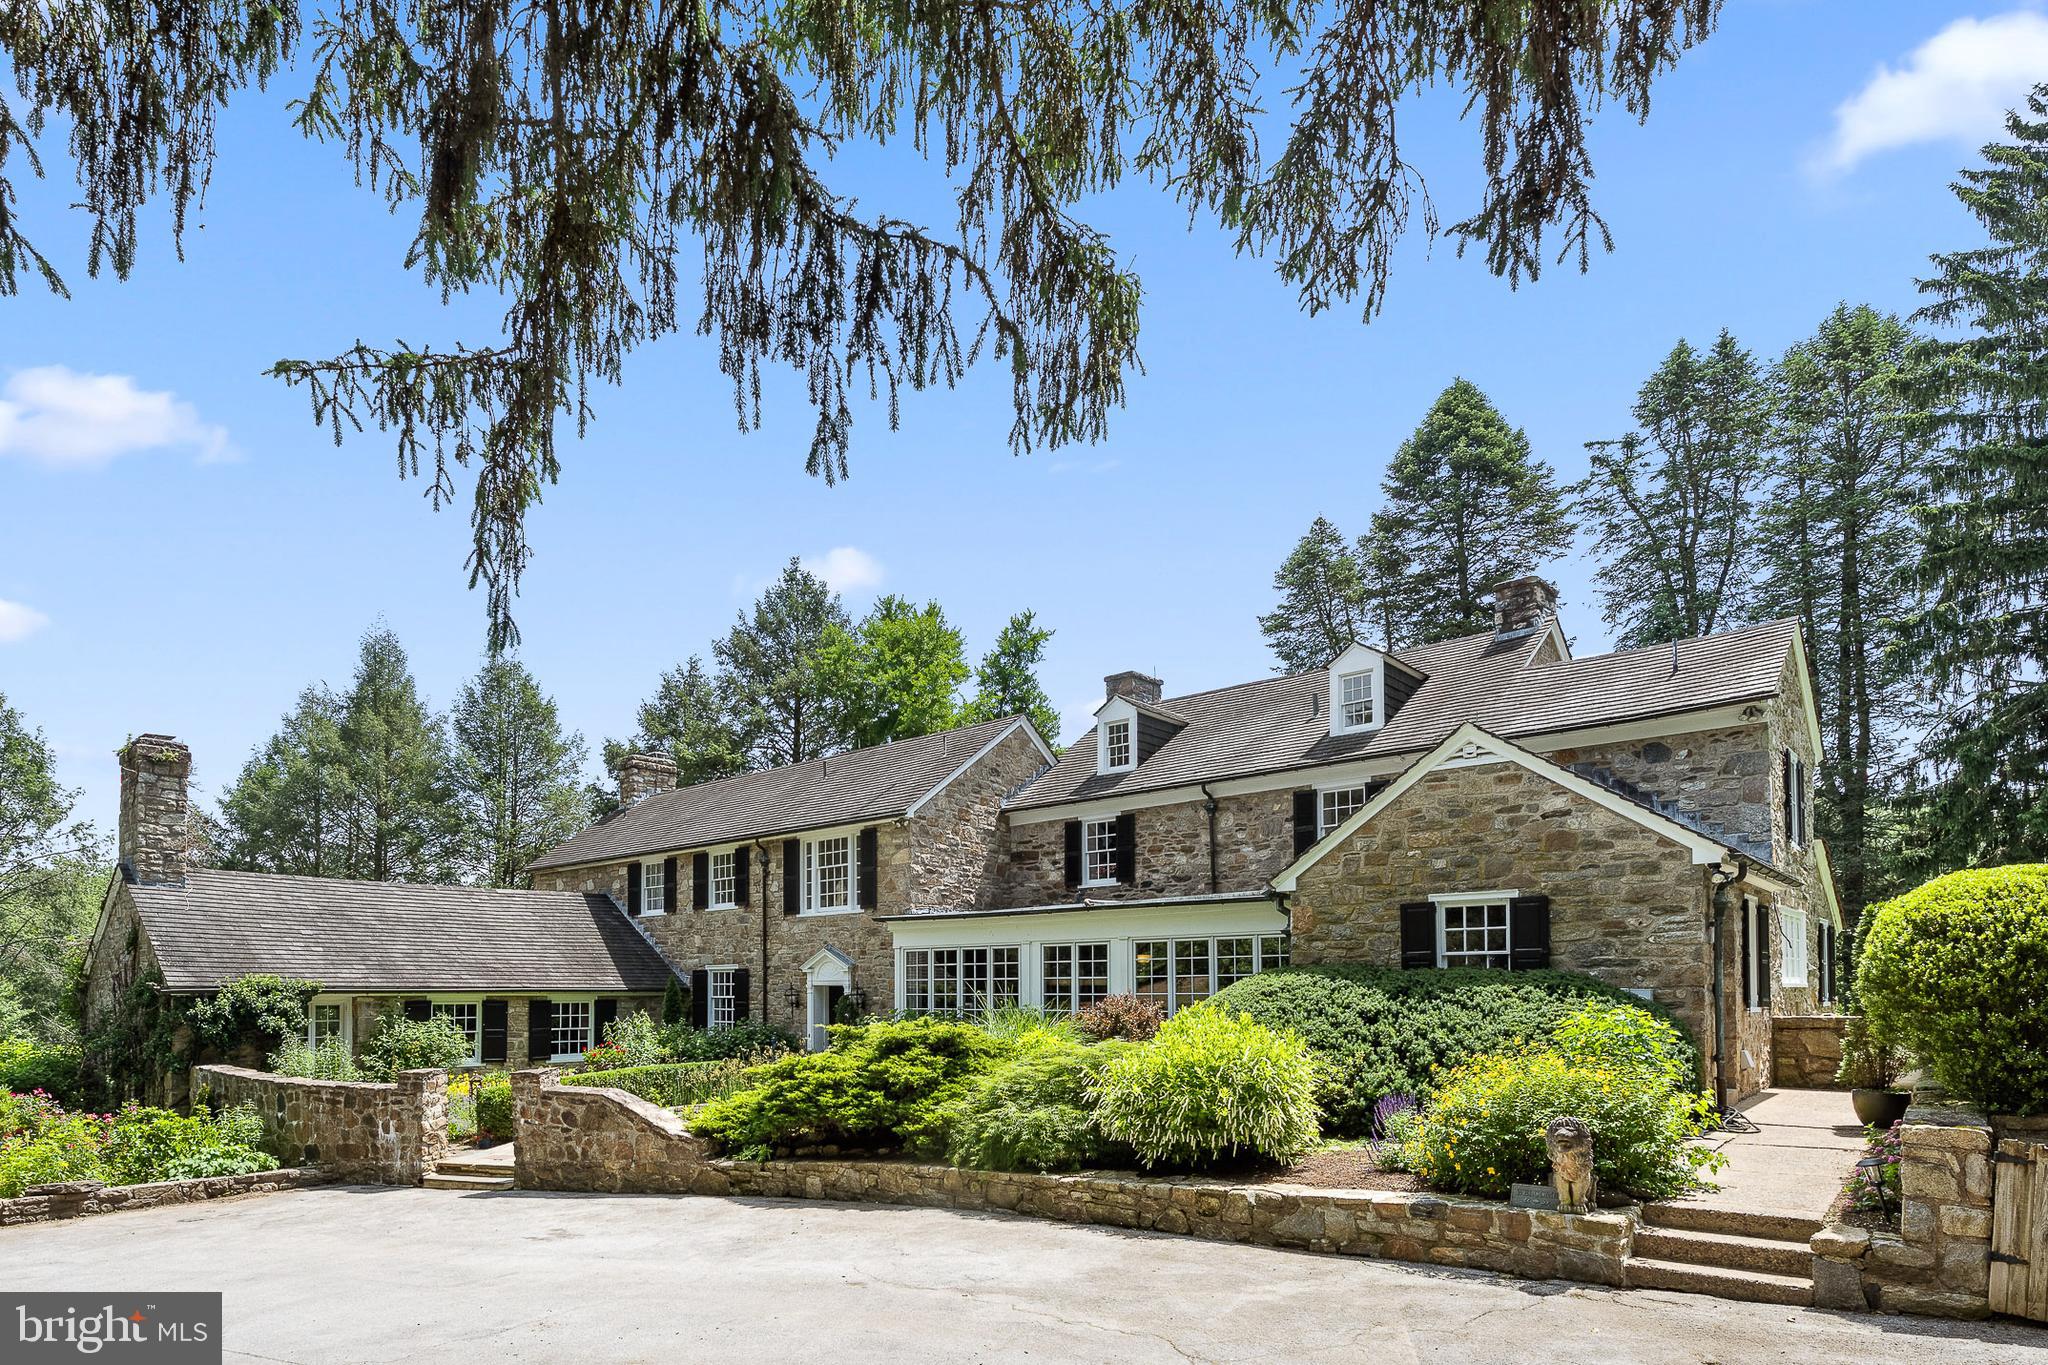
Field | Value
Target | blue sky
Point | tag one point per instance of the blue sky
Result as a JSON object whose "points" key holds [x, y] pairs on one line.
{"points": [[182, 551]]}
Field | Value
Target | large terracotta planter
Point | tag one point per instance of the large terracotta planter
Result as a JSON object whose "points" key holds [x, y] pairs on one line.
{"points": [[1880, 1108]]}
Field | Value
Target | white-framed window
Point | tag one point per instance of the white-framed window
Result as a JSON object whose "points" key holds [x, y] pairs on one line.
{"points": [[326, 1019], [1075, 975], [1355, 708], [467, 1015], [959, 982], [572, 1019], [828, 875], [1116, 744], [1180, 971], [1335, 805], [653, 889], [724, 881], [1098, 852], [1473, 933], [1792, 966], [723, 1009]]}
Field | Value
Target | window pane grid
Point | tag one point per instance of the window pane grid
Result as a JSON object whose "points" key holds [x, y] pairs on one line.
{"points": [[653, 890], [323, 1022], [828, 880], [724, 1010], [723, 885], [572, 1027], [1118, 742], [1098, 838], [1476, 935], [1355, 697], [1076, 975], [958, 982], [1338, 805], [467, 1017]]}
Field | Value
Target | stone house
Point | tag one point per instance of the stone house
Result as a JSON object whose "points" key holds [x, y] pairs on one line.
{"points": [[526, 975]]}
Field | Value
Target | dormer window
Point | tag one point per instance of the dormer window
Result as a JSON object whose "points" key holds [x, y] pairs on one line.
{"points": [[1358, 691], [1354, 700], [1116, 744], [1116, 736]]}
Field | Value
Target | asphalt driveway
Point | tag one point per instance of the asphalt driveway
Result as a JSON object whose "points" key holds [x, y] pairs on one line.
{"points": [[357, 1274]]}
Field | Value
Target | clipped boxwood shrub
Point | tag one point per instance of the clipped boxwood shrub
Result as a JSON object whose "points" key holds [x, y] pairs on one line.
{"points": [[1212, 1087], [674, 1084], [493, 1091], [1956, 972], [1384, 1030]]}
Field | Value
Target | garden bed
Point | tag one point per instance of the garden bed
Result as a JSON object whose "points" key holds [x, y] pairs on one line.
{"points": [[80, 1198], [1337, 1168]]}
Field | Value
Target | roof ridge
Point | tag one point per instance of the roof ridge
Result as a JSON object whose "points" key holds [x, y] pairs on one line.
{"points": [[1662, 646], [887, 744], [362, 881]]}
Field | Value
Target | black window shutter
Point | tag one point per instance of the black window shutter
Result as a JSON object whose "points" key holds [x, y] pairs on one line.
{"points": [[632, 888], [494, 1032], [1304, 820], [1127, 849], [741, 995], [700, 881], [1418, 934], [1748, 956], [742, 891], [868, 891], [540, 1031], [418, 1010], [1791, 801], [1763, 957], [602, 1013], [700, 998], [1529, 933], [792, 876], [1073, 837]]}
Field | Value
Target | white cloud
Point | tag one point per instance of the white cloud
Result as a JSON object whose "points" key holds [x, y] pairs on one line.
{"points": [[66, 420], [846, 569], [1955, 87], [19, 621]]}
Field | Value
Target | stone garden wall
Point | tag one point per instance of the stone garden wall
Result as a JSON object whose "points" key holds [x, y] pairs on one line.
{"points": [[1806, 1049], [588, 1138], [383, 1134], [1939, 1262], [76, 1198]]}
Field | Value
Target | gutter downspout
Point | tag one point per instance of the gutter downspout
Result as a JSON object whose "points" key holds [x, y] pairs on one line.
{"points": [[1209, 807]]}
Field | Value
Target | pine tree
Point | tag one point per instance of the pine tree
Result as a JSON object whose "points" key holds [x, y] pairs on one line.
{"points": [[1322, 601], [1466, 506], [1388, 605], [1982, 638], [689, 719], [1006, 683], [1671, 504], [515, 773], [1837, 545], [770, 657], [289, 810], [896, 675], [404, 824]]}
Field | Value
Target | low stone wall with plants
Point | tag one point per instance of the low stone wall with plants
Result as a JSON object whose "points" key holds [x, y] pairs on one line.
{"points": [[595, 1139], [385, 1134], [78, 1198], [1806, 1050], [1939, 1262]]}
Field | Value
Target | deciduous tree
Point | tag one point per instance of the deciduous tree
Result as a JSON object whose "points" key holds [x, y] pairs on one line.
{"points": [[689, 719], [52, 872], [896, 675]]}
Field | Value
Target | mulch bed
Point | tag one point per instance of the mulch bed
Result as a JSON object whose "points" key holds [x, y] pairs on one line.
{"points": [[1842, 1212], [1337, 1168]]}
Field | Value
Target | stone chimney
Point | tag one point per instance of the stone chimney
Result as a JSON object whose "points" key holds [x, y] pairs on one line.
{"points": [[1523, 604], [1134, 685], [155, 837], [644, 775]]}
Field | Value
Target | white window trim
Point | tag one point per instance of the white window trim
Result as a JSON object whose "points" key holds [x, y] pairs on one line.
{"points": [[475, 1057], [711, 975], [1469, 900], [1110, 880], [591, 1036], [807, 902], [1353, 661], [1787, 919], [711, 857], [347, 1030], [1173, 1004], [1322, 826], [1029, 978], [1111, 712], [668, 893]]}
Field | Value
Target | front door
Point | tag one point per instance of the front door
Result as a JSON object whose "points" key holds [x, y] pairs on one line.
{"points": [[824, 1003]]}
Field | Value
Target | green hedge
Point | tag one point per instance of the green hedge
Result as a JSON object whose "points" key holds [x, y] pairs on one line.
{"points": [[1379, 1031], [671, 1085], [1956, 972]]}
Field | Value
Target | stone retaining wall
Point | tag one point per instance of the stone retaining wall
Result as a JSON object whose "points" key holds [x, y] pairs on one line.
{"points": [[75, 1198], [1806, 1049], [1939, 1262], [589, 1138], [371, 1131]]}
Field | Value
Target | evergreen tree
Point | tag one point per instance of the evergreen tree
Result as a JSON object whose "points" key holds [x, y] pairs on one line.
{"points": [[404, 824], [1466, 506], [1387, 604], [515, 773], [289, 810], [1837, 549], [1981, 639], [1671, 504], [1322, 601], [896, 675], [1006, 683], [689, 719], [770, 660]]}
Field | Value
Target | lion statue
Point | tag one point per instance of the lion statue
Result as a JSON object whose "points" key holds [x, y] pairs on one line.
{"points": [[1571, 1164]]}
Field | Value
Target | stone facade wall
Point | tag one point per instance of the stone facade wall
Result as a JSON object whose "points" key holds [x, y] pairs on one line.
{"points": [[1806, 1049], [1254, 842], [121, 953], [585, 1138], [1626, 905], [1939, 1262], [956, 842], [382, 1134], [79, 1198]]}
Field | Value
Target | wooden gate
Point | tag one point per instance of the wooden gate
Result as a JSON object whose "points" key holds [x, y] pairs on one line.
{"points": [[2019, 1230]]}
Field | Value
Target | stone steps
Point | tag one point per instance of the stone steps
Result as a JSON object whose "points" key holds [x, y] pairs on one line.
{"points": [[1725, 1251], [1750, 1286], [444, 1180], [1730, 1222], [455, 1165]]}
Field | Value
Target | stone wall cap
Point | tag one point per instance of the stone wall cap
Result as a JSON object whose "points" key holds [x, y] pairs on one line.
{"points": [[62, 1189], [1839, 1242], [1949, 1114]]}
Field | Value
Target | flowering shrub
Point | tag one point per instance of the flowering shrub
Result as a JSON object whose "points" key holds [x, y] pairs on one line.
{"points": [[402, 1044], [1602, 1033], [1121, 1016], [1212, 1086], [611, 1056], [40, 1142], [1483, 1128], [1875, 1189]]}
